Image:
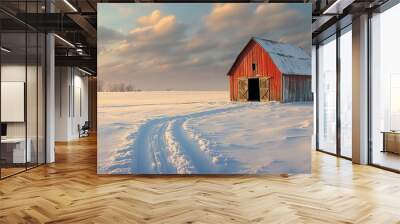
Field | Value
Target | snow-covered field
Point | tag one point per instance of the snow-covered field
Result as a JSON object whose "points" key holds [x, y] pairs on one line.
{"points": [[188, 132]]}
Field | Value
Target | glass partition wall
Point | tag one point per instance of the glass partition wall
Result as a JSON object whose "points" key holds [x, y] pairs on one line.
{"points": [[334, 93], [345, 61], [13, 89], [385, 89], [334, 105], [22, 98], [327, 95]]}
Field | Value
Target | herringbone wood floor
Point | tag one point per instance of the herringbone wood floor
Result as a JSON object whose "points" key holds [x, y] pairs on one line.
{"points": [[69, 191]]}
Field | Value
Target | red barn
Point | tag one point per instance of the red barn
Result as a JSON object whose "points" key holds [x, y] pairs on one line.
{"points": [[267, 70]]}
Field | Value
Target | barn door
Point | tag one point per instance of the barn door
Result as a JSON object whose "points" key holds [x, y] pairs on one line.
{"points": [[264, 89], [243, 90]]}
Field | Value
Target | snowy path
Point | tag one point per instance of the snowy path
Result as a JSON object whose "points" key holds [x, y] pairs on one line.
{"points": [[163, 145], [183, 132], [149, 150]]}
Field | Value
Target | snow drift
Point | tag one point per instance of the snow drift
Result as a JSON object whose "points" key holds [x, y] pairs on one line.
{"points": [[188, 132]]}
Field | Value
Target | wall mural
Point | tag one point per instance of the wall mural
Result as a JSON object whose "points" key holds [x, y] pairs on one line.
{"points": [[204, 88]]}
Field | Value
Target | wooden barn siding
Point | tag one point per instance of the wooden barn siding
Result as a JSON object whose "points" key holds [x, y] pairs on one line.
{"points": [[265, 67], [297, 88], [232, 96]]}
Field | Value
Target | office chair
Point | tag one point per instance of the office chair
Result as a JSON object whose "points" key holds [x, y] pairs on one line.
{"points": [[84, 130]]}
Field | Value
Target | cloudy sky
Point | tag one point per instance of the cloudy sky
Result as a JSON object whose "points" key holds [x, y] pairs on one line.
{"points": [[157, 46]]}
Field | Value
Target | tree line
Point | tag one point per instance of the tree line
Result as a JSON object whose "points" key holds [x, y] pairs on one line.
{"points": [[116, 87]]}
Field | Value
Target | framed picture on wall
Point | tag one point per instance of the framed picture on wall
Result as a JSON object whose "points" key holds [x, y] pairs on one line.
{"points": [[204, 88]]}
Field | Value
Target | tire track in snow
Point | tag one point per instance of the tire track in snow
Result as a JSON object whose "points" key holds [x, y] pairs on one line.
{"points": [[176, 154], [163, 146], [201, 161], [160, 155], [224, 163], [149, 151]]}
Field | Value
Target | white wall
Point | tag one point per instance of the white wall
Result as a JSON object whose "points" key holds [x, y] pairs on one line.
{"points": [[79, 117], [13, 72], [12, 101], [33, 126], [62, 82], [17, 73], [70, 83]]}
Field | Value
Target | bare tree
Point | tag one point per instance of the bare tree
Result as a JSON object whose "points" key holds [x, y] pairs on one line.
{"points": [[114, 87], [129, 88], [122, 87]]}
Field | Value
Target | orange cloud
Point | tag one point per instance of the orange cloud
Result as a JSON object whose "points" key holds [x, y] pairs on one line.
{"points": [[154, 26], [149, 20], [225, 16]]}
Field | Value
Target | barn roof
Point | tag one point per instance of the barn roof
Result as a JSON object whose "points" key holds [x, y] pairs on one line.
{"points": [[289, 59]]}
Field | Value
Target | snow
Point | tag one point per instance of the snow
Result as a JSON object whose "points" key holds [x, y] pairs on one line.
{"points": [[189, 132], [176, 156], [291, 60]]}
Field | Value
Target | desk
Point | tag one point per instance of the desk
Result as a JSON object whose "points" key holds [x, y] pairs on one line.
{"points": [[391, 141], [17, 150]]}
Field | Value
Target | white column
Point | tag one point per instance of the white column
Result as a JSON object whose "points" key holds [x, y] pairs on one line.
{"points": [[50, 92], [50, 99], [360, 90]]}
